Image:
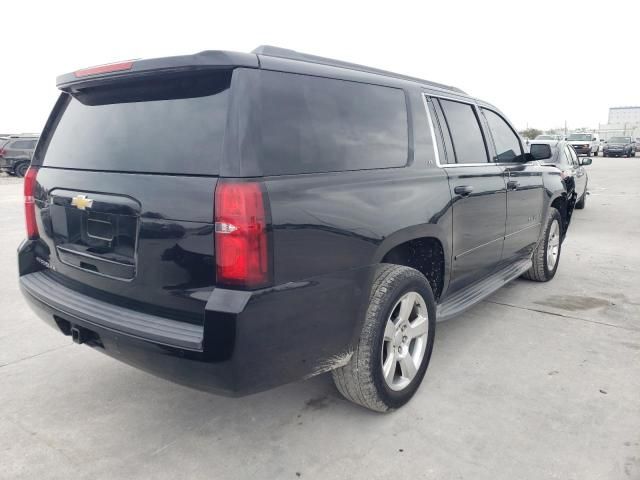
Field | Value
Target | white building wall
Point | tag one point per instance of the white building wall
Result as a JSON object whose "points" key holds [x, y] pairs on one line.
{"points": [[623, 121], [624, 115]]}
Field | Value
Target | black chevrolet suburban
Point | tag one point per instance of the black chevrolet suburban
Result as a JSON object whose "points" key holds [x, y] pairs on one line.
{"points": [[233, 221]]}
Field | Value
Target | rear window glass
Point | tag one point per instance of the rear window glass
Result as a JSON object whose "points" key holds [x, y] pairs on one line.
{"points": [[313, 124], [165, 125]]}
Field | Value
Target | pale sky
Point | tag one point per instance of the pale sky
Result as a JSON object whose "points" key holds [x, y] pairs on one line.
{"points": [[540, 62]]}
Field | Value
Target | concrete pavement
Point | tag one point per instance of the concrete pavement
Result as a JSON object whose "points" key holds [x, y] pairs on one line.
{"points": [[539, 381]]}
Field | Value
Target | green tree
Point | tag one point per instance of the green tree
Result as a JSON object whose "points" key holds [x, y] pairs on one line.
{"points": [[531, 133]]}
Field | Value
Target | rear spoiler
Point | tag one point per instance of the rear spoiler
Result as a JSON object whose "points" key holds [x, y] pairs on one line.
{"points": [[102, 74]]}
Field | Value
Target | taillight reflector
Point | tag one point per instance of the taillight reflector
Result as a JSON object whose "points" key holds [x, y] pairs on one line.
{"points": [[107, 68], [29, 203], [241, 235]]}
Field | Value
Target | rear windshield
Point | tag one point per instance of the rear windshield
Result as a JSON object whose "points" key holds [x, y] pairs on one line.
{"points": [[167, 124], [313, 124]]}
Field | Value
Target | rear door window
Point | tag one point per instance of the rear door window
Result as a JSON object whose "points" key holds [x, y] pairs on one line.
{"points": [[467, 138], [314, 124], [171, 124]]}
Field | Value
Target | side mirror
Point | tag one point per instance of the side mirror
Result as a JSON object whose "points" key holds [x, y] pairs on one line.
{"points": [[586, 161], [540, 151]]}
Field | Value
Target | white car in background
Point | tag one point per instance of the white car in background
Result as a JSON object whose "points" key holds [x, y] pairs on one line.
{"points": [[550, 136], [584, 143]]}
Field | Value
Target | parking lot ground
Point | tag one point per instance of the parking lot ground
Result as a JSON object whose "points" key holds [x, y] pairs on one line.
{"points": [[539, 381]]}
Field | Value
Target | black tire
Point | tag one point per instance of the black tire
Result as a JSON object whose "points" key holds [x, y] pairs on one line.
{"points": [[21, 169], [540, 271], [582, 202], [361, 380]]}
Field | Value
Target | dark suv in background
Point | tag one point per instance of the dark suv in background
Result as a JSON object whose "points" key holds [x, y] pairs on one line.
{"points": [[238, 221], [16, 152]]}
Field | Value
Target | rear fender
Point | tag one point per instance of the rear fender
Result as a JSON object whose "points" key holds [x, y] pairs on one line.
{"points": [[440, 231]]}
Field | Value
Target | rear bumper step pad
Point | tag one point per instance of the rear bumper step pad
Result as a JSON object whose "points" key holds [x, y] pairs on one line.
{"points": [[113, 317]]}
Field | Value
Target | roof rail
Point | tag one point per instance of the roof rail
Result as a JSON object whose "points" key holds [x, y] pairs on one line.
{"points": [[271, 51]]}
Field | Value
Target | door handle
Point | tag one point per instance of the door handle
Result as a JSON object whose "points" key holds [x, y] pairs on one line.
{"points": [[512, 185], [463, 190]]}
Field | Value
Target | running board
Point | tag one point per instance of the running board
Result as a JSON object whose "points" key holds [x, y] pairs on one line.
{"points": [[469, 296]]}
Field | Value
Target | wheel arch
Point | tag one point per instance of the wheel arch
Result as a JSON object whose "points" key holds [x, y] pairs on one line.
{"points": [[565, 206], [426, 248]]}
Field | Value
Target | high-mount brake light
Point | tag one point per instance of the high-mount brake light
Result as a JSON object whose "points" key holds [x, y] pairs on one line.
{"points": [[107, 68], [29, 203], [241, 234]]}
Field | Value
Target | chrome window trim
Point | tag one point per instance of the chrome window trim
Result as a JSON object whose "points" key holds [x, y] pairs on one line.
{"points": [[432, 130], [433, 133], [435, 144]]}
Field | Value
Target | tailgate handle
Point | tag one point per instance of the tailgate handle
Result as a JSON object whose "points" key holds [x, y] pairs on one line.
{"points": [[89, 266]]}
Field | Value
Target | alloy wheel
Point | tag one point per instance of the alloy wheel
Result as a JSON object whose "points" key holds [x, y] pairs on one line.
{"points": [[405, 341], [553, 245]]}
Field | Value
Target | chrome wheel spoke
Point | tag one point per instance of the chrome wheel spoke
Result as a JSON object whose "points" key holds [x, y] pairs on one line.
{"points": [[418, 327], [389, 366], [408, 367], [389, 331], [406, 307]]}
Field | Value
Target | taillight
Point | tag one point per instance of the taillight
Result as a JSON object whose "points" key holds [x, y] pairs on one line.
{"points": [[241, 234], [29, 202], [107, 68], [2, 152]]}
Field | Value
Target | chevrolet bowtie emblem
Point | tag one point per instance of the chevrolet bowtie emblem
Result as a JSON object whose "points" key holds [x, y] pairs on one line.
{"points": [[81, 202]]}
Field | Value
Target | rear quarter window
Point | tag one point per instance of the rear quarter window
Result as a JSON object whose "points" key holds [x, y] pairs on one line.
{"points": [[314, 124]]}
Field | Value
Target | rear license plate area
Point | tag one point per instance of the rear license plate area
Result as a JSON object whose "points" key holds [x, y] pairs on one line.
{"points": [[99, 229], [100, 239]]}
